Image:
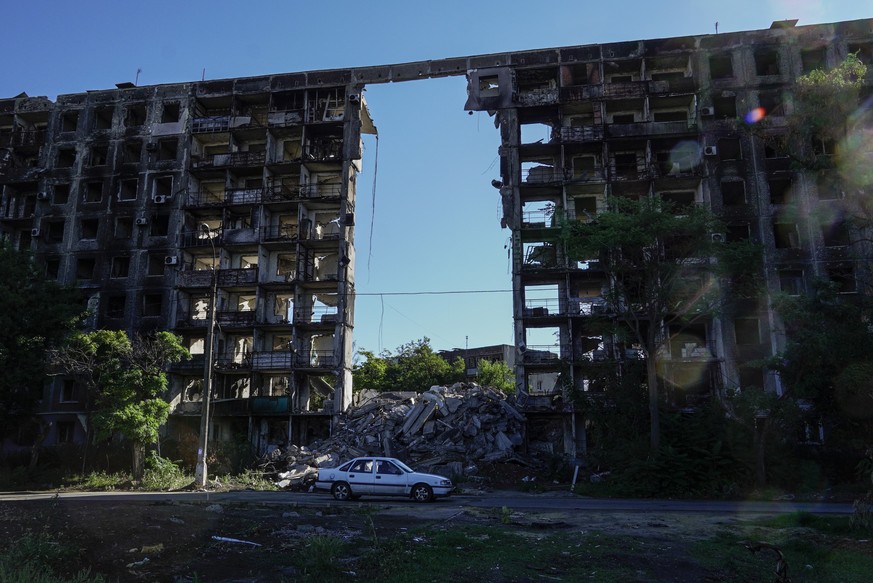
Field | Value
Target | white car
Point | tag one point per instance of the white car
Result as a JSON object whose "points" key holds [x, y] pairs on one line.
{"points": [[381, 476]]}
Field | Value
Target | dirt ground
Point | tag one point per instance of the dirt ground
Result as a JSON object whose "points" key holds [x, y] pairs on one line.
{"points": [[187, 542]]}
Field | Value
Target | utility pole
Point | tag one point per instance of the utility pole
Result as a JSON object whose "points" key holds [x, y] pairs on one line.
{"points": [[200, 471]]}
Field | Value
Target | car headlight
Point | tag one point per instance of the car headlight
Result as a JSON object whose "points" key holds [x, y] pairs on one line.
{"points": [[445, 482]]}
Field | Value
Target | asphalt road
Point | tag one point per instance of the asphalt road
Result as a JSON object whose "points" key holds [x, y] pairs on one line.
{"points": [[544, 502]]}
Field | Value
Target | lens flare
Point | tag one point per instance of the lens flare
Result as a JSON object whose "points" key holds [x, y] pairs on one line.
{"points": [[756, 115]]}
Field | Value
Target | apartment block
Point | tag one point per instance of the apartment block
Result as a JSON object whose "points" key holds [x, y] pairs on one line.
{"points": [[149, 198]]}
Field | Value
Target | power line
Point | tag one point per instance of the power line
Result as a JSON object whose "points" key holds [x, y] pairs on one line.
{"points": [[435, 293]]}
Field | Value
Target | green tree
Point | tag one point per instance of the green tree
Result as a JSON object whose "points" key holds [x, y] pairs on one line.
{"points": [[662, 266], [35, 314], [126, 383], [495, 374], [414, 366]]}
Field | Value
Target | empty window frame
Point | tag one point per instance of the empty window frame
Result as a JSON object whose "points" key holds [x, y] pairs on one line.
{"points": [[729, 149], [85, 268], [773, 102], [725, 107], [812, 59], [152, 304], [162, 186], [120, 267], [135, 115], [767, 62], [69, 394], [60, 193], [159, 225], [115, 306], [123, 227], [127, 188], [103, 118], [156, 264], [52, 268], [780, 190], [132, 152], [92, 191], [168, 149], [733, 192], [828, 186], [737, 233], [69, 121], [55, 231], [835, 234], [721, 66], [679, 200], [89, 228], [786, 236], [171, 112], [791, 281], [747, 331], [66, 158], [99, 155], [843, 277]]}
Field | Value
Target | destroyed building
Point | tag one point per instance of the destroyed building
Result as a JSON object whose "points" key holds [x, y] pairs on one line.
{"points": [[134, 194]]}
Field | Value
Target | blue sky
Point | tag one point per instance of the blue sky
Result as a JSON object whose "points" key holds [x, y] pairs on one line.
{"points": [[436, 220]]}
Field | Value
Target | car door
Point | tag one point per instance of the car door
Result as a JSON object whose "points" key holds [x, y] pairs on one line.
{"points": [[389, 479], [360, 476]]}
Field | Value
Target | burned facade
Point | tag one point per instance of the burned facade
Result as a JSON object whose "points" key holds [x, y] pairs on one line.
{"points": [[148, 198]]}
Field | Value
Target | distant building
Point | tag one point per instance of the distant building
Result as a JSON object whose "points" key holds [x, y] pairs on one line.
{"points": [[472, 356]]}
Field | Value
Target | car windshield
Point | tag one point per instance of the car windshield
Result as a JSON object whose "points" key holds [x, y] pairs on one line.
{"points": [[403, 467]]}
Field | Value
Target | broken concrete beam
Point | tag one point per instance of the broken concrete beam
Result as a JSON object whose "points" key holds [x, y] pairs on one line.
{"points": [[413, 416], [420, 421], [502, 442]]}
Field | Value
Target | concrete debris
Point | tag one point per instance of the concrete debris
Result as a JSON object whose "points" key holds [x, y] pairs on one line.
{"points": [[445, 430], [225, 539]]}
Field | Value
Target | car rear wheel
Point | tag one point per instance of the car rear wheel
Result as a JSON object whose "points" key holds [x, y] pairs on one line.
{"points": [[341, 491], [422, 493]]}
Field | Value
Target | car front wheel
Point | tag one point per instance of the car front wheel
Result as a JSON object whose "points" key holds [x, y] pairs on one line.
{"points": [[341, 491], [422, 493]]}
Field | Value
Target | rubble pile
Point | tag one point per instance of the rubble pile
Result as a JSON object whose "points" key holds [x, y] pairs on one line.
{"points": [[445, 430]]}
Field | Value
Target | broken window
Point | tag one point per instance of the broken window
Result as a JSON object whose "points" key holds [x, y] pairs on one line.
{"points": [[679, 201], [156, 264], [733, 192], [835, 234], [66, 158], [132, 152], [90, 228], [135, 115], [93, 192], [625, 165], [773, 102], [171, 112], [721, 66], [729, 149], [128, 188], [103, 118], [747, 331], [115, 306], [99, 155], [85, 267], [785, 236], [55, 231], [65, 431], [123, 227], [538, 214], [159, 225], [286, 266], [120, 267], [623, 118], [737, 233], [725, 107], [69, 121], [586, 208], [152, 304], [489, 86], [168, 149], [541, 300], [780, 190], [766, 62], [791, 281], [540, 255], [812, 59], [52, 268], [162, 186], [68, 391], [843, 276], [60, 193]]}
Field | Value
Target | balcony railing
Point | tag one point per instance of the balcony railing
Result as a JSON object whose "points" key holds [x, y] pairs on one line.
{"points": [[542, 175], [542, 308], [289, 232], [271, 360], [316, 359], [324, 150], [210, 125], [321, 190], [541, 354], [592, 133], [236, 318], [22, 138], [232, 159], [316, 315]]}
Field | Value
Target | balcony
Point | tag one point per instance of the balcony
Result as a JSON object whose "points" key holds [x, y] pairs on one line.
{"points": [[15, 139], [541, 354], [285, 232], [230, 160], [310, 191], [316, 315], [651, 128], [323, 150], [267, 405], [271, 360], [316, 359], [542, 308], [236, 319], [543, 175], [579, 135], [244, 195]]}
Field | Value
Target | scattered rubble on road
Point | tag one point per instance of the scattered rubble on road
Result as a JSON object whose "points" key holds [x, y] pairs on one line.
{"points": [[445, 430]]}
